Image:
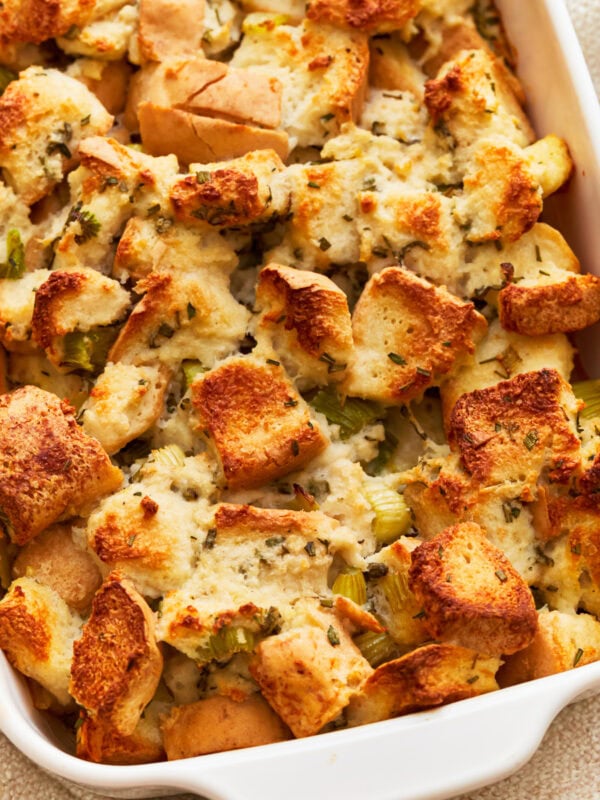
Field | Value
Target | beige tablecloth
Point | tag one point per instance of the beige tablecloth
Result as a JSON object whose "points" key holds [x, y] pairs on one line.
{"points": [[567, 765]]}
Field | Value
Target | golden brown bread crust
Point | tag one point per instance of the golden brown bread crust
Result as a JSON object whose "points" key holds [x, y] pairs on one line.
{"points": [[38, 20], [116, 663], [54, 559], [170, 27], [250, 522], [218, 724], [365, 15], [258, 423], [422, 331], [49, 468], [563, 307], [99, 741], [23, 634], [516, 428], [427, 677], [471, 593]]}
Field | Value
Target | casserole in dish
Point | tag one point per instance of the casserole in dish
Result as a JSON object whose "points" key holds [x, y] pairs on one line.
{"points": [[326, 763]]}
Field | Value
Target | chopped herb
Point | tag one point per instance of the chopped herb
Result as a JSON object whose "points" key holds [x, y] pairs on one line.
{"points": [[313, 185], [410, 246], [211, 537], [369, 184], [333, 636], [166, 330], [291, 403], [497, 427], [578, 655], [189, 494], [203, 176], [551, 588], [298, 255], [310, 549], [376, 570], [327, 117], [273, 541], [295, 447], [440, 552], [88, 222], [501, 575], [191, 311], [348, 218], [397, 359], [446, 344], [14, 266], [378, 128], [538, 255], [72, 33], [543, 272], [380, 252], [324, 243], [421, 615], [131, 539], [67, 465], [85, 120], [163, 224], [58, 147], [425, 372], [576, 549], [473, 679], [153, 210], [273, 363], [531, 439]]}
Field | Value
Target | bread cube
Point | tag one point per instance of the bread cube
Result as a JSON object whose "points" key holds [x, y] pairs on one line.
{"points": [[218, 724], [422, 334], [169, 28], [116, 662], [470, 592], [49, 469], [37, 631], [106, 35], [374, 16], [17, 299], [99, 741], [255, 419]]}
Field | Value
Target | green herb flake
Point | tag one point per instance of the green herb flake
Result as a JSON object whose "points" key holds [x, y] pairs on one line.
{"points": [[203, 176], [578, 655], [538, 254], [501, 575], [313, 185], [531, 439], [273, 541], [370, 184], [210, 540], [473, 679], [327, 117], [397, 359], [347, 218], [425, 372], [88, 222], [333, 636], [324, 243], [295, 447], [131, 540], [191, 311], [14, 266], [85, 120], [310, 549], [291, 403], [273, 363]]}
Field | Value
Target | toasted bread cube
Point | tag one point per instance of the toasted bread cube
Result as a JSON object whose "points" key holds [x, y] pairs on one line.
{"points": [[148, 535], [98, 741], [430, 676], [218, 723], [116, 662], [257, 422], [310, 673], [38, 20], [209, 89], [253, 560], [322, 70], [74, 301], [49, 468], [41, 126], [293, 10], [473, 99], [168, 28], [192, 138], [37, 631], [391, 67], [108, 80], [562, 307], [14, 215], [124, 403], [514, 430], [374, 16], [237, 193], [17, 299], [563, 641], [107, 35], [501, 198], [181, 316], [470, 592], [55, 560], [422, 333], [550, 161], [308, 318]]}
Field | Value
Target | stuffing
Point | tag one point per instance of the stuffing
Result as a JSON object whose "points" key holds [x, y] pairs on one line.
{"points": [[37, 631], [108, 80], [35, 369], [115, 684], [54, 559], [17, 299], [125, 402], [97, 740], [14, 215], [563, 641], [306, 315], [107, 36], [392, 69], [71, 302], [374, 16], [517, 429], [322, 70], [258, 424], [456, 576], [43, 117], [38, 20], [430, 676], [168, 28], [423, 331], [50, 470], [218, 723], [310, 673]]}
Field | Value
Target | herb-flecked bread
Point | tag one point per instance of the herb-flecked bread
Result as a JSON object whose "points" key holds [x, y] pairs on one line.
{"points": [[288, 435]]}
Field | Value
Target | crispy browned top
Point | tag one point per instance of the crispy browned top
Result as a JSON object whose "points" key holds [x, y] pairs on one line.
{"points": [[367, 15]]}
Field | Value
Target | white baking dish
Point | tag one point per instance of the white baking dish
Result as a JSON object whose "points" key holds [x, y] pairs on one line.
{"points": [[435, 754]]}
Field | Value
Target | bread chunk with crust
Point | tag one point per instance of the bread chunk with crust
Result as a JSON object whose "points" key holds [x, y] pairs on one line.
{"points": [[310, 673], [517, 429], [307, 316], [98, 741], [38, 20], [470, 592], [116, 662], [425, 678], [565, 306], [170, 28], [37, 631], [422, 333], [563, 641], [49, 469], [374, 16], [257, 422], [74, 301], [53, 558], [218, 724], [41, 126]]}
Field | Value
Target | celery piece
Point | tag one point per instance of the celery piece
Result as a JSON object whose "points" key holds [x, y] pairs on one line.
{"points": [[226, 643], [589, 392], [88, 350], [392, 515], [352, 416], [376, 647], [396, 591], [264, 27], [6, 76], [191, 370], [384, 454], [169, 456], [351, 584], [14, 266]]}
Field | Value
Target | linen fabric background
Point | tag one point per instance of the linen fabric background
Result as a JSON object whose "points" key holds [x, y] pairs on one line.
{"points": [[567, 764]]}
